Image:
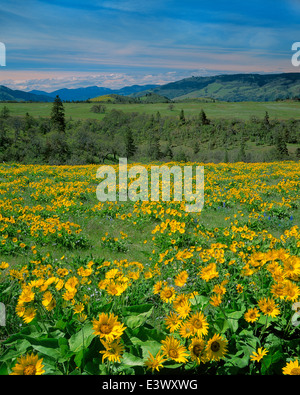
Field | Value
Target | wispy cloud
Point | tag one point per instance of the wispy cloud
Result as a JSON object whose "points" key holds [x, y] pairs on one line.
{"points": [[131, 39]]}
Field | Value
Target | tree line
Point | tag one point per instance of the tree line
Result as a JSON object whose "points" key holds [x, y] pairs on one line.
{"points": [[142, 137]]}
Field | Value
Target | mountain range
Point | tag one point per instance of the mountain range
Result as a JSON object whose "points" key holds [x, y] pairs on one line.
{"points": [[79, 94], [93, 91], [228, 87]]}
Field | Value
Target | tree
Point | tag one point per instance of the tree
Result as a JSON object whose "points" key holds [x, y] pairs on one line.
{"points": [[266, 119], [154, 147], [4, 112], [281, 147], [58, 115], [98, 108], [130, 147], [196, 147], [182, 117], [242, 152], [203, 118]]}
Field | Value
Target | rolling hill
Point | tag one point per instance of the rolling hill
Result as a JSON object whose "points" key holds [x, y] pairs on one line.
{"points": [[236, 87], [7, 94]]}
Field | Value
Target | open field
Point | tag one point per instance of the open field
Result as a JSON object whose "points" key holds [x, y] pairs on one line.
{"points": [[130, 288], [241, 110]]}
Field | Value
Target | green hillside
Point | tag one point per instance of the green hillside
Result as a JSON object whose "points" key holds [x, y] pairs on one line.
{"points": [[237, 87], [7, 94], [113, 98]]}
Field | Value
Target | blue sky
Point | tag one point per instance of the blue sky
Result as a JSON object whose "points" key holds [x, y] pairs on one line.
{"points": [[52, 44]]}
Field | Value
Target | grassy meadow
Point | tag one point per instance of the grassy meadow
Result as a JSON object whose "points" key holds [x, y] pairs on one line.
{"points": [[218, 110], [147, 288]]}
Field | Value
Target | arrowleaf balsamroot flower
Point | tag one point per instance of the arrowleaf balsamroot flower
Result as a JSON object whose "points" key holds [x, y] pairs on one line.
{"points": [[268, 307], [28, 365], [252, 315], [173, 349], [108, 327], [113, 350], [257, 356], [292, 368], [216, 347], [156, 362], [199, 324]]}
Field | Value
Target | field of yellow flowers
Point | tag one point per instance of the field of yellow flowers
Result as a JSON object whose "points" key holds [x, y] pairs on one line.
{"points": [[90, 287]]}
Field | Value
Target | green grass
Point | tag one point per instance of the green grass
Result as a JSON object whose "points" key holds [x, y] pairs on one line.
{"points": [[217, 110]]}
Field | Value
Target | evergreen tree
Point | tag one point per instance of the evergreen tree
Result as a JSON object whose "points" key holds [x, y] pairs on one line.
{"points": [[169, 153], [154, 148], [281, 147], [266, 119], [182, 117], [58, 115], [130, 147], [196, 147], [203, 118]]}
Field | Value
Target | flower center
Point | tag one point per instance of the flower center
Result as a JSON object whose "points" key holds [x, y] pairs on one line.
{"points": [[105, 328], [173, 353], [168, 294], [295, 371], [198, 324], [215, 346], [197, 349], [29, 370]]}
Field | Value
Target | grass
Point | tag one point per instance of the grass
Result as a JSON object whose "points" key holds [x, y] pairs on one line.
{"points": [[217, 110]]}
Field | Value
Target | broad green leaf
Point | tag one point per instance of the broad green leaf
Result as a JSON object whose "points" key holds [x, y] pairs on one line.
{"points": [[132, 360], [82, 339]]}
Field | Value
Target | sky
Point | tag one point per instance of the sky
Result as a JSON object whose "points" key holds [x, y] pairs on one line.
{"points": [[53, 44]]}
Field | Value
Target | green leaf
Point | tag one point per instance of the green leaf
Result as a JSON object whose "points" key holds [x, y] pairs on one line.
{"points": [[269, 360], [137, 315], [82, 339], [50, 352], [200, 300], [132, 360], [151, 346]]}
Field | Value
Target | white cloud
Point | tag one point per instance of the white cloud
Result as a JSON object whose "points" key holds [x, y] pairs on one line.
{"points": [[52, 82]]}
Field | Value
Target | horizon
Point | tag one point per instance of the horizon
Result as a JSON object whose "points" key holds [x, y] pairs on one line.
{"points": [[120, 43], [129, 86]]}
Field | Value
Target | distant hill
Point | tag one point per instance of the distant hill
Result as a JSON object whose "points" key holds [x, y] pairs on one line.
{"points": [[151, 97], [236, 87], [7, 94], [113, 98], [78, 94]]}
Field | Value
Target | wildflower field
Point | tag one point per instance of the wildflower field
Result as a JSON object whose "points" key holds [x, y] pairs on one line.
{"points": [[140, 288]]}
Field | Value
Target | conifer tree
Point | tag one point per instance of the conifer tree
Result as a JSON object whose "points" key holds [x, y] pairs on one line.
{"points": [[182, 117], [203, 118], [281, 147], [58, 115], [130, 147]]}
